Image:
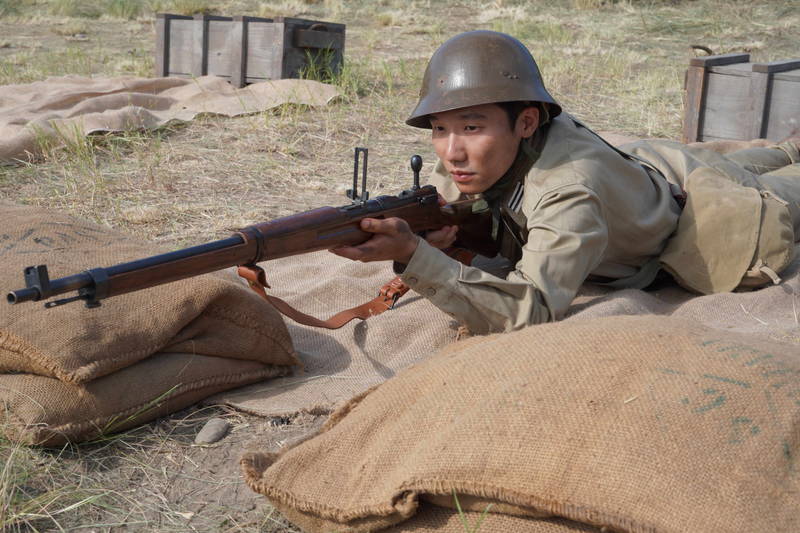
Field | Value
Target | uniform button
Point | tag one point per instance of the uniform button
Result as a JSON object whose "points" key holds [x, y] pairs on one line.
{"points": [[412, 279], [430, 291]]}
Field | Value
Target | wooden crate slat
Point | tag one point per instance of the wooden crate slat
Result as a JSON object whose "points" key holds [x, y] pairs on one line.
{"points": [[199, 44], [162, 46], [760, 88], [239, 46], [180, 50], [792, 75], [165, 24], [784, 109], [777, 66], [694, 87], [727, 97], [245, 49], [718, 60], [264, 51], [727, 108], [218, 49]]}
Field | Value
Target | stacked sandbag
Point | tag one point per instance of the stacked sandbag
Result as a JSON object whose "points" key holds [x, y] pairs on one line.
{"points": [[432, 518], [70, 373], [625, 423]]}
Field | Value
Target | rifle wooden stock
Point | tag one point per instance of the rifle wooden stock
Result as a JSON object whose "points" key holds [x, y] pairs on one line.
{"points": [[317, 229]]}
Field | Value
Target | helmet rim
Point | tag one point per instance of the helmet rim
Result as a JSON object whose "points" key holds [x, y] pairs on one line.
{"points": [[475, 68]]}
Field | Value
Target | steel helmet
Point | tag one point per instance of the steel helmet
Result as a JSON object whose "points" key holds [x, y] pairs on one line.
{"points": [[479, 67]]}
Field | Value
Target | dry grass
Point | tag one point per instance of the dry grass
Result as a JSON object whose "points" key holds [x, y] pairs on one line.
{"points": [[617, 65], [153, 478]]}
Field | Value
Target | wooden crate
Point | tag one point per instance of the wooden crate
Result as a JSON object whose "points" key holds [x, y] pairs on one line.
{"points": [[245, 49], [728, 97]]}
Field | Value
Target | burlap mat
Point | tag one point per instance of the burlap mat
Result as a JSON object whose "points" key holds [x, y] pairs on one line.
{"points": [[636, 423], [343, 363], [62, 108], [72, 373], [772, 312]]}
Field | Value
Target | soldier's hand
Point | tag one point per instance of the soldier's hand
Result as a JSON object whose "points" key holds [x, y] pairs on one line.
{"points": [[442, 238], [392, 241]]}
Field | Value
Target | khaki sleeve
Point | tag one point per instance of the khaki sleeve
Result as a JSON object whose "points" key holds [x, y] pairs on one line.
{"points": [[567, 237], [566, 240]]}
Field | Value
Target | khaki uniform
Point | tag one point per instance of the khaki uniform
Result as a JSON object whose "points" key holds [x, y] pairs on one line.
{"points": [[582, 212]]}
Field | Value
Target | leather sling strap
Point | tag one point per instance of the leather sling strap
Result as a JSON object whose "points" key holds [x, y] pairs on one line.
{"points": [[386, 299]]}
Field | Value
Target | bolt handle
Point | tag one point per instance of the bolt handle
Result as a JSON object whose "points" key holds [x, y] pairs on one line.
{"points": [[416, 166]]}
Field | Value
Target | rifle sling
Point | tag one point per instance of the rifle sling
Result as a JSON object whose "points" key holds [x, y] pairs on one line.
{"points": [[387, 296]]}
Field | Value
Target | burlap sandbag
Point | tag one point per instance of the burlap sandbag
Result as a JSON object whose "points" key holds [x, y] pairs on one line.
{"points": [[430, 518], [631, 423], [209, 315], [213, 316], [45, 411]]}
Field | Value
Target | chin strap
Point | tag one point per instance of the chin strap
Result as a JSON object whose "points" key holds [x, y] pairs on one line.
{"points": [[387, 298]]}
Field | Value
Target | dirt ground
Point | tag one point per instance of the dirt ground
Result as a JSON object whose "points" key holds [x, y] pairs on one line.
{"points": [[160, 480]]}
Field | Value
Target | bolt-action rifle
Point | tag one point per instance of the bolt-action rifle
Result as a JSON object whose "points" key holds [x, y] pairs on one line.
{"points": [[309, 231]]}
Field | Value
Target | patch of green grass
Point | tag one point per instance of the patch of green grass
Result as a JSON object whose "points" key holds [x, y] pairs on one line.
{"points": [[115, 424], [124, 9], [531, 30], [290, 8], [91, 9], [186, 7], [29, 66], [33, 493], [73, 27], [388, 18], [74, 59], [470, 528], [319, 66], [352, 78], [8, 8]]}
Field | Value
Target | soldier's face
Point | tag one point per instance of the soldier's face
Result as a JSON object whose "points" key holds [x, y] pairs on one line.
{"points": [[477, 145]]}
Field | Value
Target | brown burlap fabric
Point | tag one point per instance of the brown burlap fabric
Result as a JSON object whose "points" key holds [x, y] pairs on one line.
{"points": [[631, 423], [45, 411], [431, 518], [62, 367], [342, 363], [770, 313], [345, 362], [64, 109]]}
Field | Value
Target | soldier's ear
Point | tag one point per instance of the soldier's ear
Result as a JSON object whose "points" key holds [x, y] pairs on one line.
{"points": [[527, 121]]}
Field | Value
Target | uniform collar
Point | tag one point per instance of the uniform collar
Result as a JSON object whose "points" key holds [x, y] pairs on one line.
{"points": [[529, 151]]}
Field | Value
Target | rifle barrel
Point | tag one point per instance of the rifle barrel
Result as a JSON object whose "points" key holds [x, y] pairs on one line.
{"points": [[317, 229], [85, 279]]}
